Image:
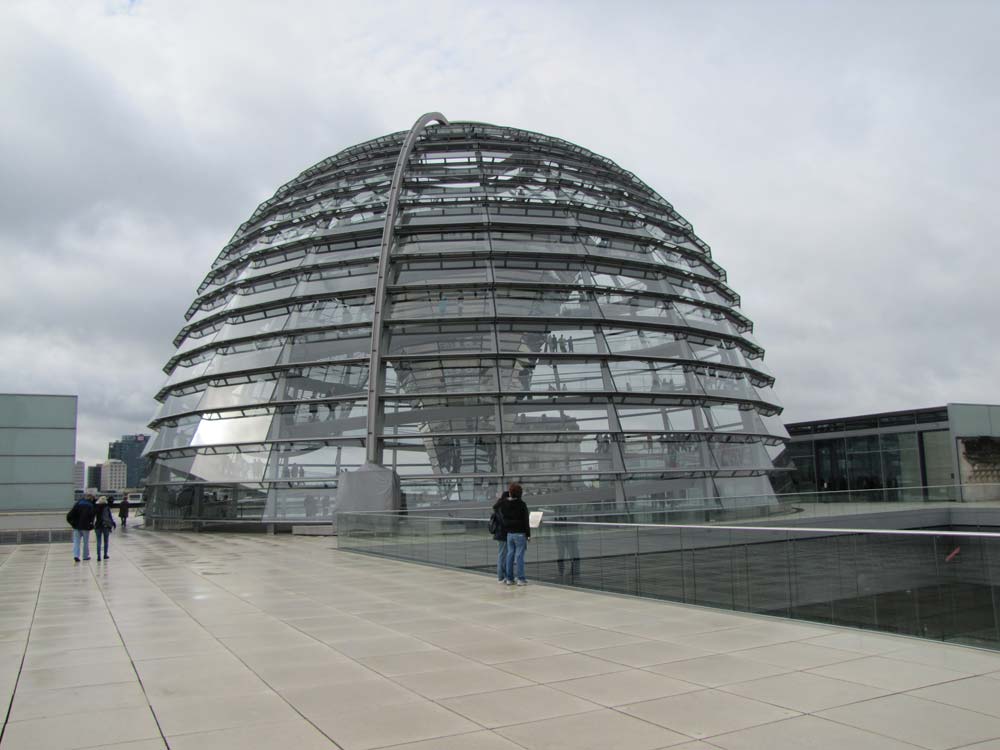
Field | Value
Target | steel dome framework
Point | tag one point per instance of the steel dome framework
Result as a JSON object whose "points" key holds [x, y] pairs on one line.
{"points": [[465, 304]]}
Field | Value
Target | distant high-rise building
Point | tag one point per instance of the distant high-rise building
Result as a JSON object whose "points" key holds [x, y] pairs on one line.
{"points": [[94, 476], [113, 475], [129, 450], [79, 475]]}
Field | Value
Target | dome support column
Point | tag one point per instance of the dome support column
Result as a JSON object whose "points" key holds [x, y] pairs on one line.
{"points": [[373, 452]]}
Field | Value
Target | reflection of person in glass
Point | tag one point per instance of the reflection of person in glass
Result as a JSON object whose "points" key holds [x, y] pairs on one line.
{"points": [[567, 547]]}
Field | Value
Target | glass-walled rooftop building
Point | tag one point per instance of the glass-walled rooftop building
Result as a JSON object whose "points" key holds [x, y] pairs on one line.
{"points": [[467, 305], [913, 454]]}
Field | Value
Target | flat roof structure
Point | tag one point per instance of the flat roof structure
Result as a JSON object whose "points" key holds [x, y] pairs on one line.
{"points": [[251, 642]]}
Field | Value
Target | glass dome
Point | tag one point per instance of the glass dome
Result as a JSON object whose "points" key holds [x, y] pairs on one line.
{"points": [[539, 314]]}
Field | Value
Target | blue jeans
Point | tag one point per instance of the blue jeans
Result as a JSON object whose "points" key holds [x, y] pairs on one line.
{"points": [[104, 534], [84, 537], [501, 559], [516, 545]]}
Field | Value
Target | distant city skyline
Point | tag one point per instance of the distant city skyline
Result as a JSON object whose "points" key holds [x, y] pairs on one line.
{"points": [[835, 157]]}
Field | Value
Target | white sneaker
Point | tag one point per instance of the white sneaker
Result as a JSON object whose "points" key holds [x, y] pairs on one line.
{"points": [[522, 583], [509, 583]]}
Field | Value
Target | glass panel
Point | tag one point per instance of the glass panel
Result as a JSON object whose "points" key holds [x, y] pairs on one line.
{"points": [[573, 453], [191, 342], [542, 416], [235, 430], [466, 270], [774, 425], [432, 303], [244, 466], [706, 318], [314, 460], [274, 263], [462, 242], [552, 337], [605, 247], [515, 242], [185, 371], [431, 339], [444, 376], [422, 493], [177, 469], [310, 503], [723, 383], [654, 377], [937, 457], [319, 346], [240, 394], [900, 460], [248, 356], [337, 279], [627, 307], [662, 418], [540, 271], [174, 435], [631, 280], [442, 455], [324, 381], [670, 495], [545, 375], [405, 417], [649, 343], [256, 325], [699, 291], [180, 403], [332, 312], [717, 352], [263, 293], [742, 456], [569, 489], [674, 452], [731, 418], [320, 420], [545, 303]]}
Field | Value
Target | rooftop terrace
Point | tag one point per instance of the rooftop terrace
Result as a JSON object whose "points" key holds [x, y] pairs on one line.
{"points": [[224, 641]]}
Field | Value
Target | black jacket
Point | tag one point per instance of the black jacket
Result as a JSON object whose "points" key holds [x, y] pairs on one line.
{"points": [[81, 515], [515, 516], [103, 519]]}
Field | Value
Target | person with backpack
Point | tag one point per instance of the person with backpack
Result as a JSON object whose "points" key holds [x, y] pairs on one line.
{"points": [[81, 518], [515, 522], [103, 524], [499, 533]]}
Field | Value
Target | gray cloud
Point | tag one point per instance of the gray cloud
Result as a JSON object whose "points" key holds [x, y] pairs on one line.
{"points": [[837, 157]]}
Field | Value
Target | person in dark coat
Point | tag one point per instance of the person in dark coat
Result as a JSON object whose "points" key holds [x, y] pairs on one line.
{"points": [[81, 518], [123, 507], [515, 522]]}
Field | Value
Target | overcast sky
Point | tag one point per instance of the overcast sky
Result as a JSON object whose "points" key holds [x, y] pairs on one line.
{"points": [[840, 158]]}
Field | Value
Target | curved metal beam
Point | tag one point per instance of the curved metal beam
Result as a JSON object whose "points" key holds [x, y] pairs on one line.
{"points": [[372, 452]]}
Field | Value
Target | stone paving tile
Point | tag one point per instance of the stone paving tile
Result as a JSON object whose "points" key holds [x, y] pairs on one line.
{"points": [[86, 729], [921, 722], [517, 706], [595, 730], [277, 642], [706, 713], [806, 733]]}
